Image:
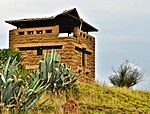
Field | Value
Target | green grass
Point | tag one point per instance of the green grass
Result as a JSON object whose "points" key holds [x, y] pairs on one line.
{"points": [[100, 99]]}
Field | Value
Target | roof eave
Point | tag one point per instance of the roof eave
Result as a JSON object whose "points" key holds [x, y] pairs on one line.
{"points": [[94, 29]]}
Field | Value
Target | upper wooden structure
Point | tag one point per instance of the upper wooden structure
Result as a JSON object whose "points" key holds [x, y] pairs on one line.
{"points": [[35, 36]]}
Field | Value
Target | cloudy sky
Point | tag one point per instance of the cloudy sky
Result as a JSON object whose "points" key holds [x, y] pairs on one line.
{"points": [[124, 29]]}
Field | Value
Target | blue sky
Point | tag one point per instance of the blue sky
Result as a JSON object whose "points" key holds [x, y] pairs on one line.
{"points": [[124, 29]]}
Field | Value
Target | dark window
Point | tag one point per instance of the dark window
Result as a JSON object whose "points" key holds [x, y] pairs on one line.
{"points": [[83, 56], [54, 47], [39, 32], [87, 73], [39, 51], [30, 32], [78, 49], [89, 53], [22, 48], [79, 71], [83, 50], [58, 47], [48, 31], [83, 35], [87, 37], [27, 48], [21, 33], [80, 34]]}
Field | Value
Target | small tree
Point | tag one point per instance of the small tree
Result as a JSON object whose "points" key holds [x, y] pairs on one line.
{"points": [[127, 74], [6, 53]]}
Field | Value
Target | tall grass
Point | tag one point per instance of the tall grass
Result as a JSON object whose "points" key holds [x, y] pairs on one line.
{"points": [[114, 100], [100, 99]]}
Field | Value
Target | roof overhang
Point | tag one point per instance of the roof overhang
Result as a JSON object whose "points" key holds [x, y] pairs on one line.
{"points": [[67, 20]]}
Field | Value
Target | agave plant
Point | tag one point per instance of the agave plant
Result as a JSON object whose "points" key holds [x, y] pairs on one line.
{"points": [[10, 85], [15, 92], [33, 92], [19, 95], [58, 75]]}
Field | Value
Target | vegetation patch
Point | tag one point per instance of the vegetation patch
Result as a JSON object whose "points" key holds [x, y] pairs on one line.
{"points": [[95, 99]]}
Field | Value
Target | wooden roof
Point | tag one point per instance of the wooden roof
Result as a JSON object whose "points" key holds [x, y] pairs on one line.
{"points": [[67, 20]]}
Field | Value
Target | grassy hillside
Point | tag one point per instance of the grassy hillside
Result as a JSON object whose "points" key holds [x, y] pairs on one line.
{"points": [[99, 99]]}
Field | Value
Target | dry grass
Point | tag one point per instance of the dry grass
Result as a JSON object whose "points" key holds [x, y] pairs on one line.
{"points": [[54, 105], [100, 99]]}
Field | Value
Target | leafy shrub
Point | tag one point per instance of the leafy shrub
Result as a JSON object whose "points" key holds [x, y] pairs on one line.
{"points": [[6, 53], [127, 74]]}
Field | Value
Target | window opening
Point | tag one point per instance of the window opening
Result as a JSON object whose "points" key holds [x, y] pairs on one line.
{"points": [[22, 49], [89, 53], [30, 32], [78, 49], [79, 71], [39, 51], [83, 35], [83, 56], [39, 32], [87, 73], [87, 37], [21, 33], [54, 47], [80, 34], [27, 48], [48, 31]]}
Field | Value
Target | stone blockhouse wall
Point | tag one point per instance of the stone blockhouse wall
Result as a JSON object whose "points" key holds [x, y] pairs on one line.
{"points": [[73, 49]]}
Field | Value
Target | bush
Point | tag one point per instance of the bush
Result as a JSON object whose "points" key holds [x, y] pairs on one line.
{"points": [[6, 53], [127, 74]]}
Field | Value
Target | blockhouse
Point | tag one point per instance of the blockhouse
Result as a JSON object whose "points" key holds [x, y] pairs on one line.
{"points": [[65, 32]]}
